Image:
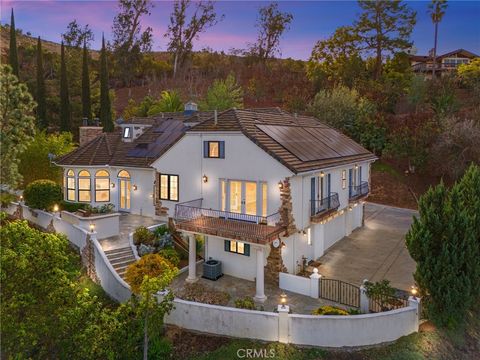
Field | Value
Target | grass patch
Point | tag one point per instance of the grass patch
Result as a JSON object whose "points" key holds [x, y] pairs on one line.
{"points": [[380, 166]]}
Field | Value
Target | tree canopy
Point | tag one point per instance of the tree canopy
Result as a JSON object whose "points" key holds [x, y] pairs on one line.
{"points": [[223, 95]]}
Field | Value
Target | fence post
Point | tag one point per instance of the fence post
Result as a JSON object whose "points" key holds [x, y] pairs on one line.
{"points": [[315, 284], [283, 335], [364, 301], [415, 302]]}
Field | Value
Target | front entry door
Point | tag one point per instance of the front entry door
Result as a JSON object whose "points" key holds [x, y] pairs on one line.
{"points": [[124, 193]]}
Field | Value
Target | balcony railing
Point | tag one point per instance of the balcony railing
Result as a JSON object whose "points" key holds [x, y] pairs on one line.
{"points": [[325, 205], [358, 191], [190, 216]]}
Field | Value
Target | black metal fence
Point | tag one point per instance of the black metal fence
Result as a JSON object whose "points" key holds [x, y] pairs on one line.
{"points": [[340, 292], [381, 303], [359, 190]]}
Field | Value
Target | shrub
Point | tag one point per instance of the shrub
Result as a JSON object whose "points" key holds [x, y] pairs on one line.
{"points": [[245, 303], [6, 198], [151, 265], [43, 194], [161, 230], [143, 236], [329, 310], [164, 242], [72, 206], [170, 255]]}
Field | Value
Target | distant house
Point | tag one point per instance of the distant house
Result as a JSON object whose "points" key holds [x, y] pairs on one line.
{"points": [[445, 63]]}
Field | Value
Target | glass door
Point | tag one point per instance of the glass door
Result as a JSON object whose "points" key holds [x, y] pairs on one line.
{"points": [[236, 196], [125, 190], [250, 199]]}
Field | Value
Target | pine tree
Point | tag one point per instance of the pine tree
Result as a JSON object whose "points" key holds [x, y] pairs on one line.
{"points": [[105, 107], [444, 242], [86, 101], [42, 121], [64, 97], [13, 55]]}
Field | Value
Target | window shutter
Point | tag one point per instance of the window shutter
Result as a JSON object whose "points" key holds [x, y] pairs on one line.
{"points": [[227, 245], [328, 184], [246, 248], [350, 172], [205, 149], [221, 145], [312, 195], [359, 175]]}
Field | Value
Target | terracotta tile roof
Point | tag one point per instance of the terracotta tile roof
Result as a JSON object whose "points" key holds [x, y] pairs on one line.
{"points": [[255, 124], [109, 149]]}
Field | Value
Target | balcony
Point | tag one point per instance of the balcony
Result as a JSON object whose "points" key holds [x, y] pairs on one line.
{"points": [[190, 216], [322, 208], [359, 191]]}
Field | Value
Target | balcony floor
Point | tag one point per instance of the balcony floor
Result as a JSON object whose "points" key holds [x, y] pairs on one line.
{"points": [[231, 229]]}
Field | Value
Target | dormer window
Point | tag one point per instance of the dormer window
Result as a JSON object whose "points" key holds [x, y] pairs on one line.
{"points": [[127, 132], [214, 149]]}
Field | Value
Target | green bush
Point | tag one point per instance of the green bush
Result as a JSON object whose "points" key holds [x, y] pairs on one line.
{"points": [[245, 303], [143, 236], [161, 230], [72, 206], [6, 198], [170, 255], [329, 310], [43, 194]]}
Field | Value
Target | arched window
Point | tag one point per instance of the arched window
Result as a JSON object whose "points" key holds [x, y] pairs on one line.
{"points": [[70, 185], [84, 186], [123, 174], [102, 186]]}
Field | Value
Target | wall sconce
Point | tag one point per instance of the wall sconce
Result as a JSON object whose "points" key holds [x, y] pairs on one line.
{"points": [[92, 227], [112, 185], [283, 245], [283, 300], [280, 185], [322, 174], [304, 233], [205, 178], [356, 166], [151, 196], [135, 187]]}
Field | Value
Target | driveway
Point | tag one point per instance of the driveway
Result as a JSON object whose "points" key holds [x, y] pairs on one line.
{"points": [[376, 251]]}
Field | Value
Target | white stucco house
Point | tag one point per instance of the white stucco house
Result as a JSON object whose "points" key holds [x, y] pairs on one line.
{"points": [[267, 189]]}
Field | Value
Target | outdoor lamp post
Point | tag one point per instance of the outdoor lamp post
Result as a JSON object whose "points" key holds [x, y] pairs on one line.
{"points": [[283, 300], [92, 227], [414, 291]]}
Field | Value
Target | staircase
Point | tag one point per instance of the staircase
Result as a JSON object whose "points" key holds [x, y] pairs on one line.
{"points": [[120, 259]]}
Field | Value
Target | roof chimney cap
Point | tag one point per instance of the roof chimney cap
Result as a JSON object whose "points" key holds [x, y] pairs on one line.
{"points": [[190, 108]]}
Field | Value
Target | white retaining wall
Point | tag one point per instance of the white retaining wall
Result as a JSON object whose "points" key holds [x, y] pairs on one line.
{"points": [[106, 225], [311, 330], [110, 281], [294, 283]]}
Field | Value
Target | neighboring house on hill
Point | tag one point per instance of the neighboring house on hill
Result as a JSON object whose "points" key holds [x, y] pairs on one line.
{"points": [[445, 63], [265, 188]]}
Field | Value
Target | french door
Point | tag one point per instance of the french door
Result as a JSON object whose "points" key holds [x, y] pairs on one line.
{"points": [[124, 194], [242, 197]]}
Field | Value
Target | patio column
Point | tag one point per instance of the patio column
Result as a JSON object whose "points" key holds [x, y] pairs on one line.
{"points": [[260, 279], [192, 259]]}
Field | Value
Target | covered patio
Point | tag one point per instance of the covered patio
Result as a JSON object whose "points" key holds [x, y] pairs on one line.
{"points": [[239, 288]]}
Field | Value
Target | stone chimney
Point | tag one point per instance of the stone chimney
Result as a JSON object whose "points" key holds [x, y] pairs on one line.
{"points": [[88, 133]]}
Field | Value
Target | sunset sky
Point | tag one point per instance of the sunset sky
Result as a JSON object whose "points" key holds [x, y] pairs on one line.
{"points": [[460, 27]]}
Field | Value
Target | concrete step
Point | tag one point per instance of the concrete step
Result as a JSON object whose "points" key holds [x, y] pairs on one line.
{"points": [[120, 255], [122, 266], [118, 251], [122, 259]]}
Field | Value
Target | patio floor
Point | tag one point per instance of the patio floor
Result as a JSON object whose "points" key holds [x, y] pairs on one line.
{"points": [[240, 288], [128, 224]]}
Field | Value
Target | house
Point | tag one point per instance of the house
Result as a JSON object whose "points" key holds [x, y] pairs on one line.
{"points": [[445, 63], [267, 190]]}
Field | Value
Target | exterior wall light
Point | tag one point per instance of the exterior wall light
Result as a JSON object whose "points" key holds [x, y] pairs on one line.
{"points": [[135, 187], [280, 185], [92, 227], [356, 166], [283, 245], [205, 178], [112, 185], [322, 174]]}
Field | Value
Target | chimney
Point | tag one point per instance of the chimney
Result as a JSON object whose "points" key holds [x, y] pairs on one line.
{"points": [[190, 108], [215, 117], [88, 133]]}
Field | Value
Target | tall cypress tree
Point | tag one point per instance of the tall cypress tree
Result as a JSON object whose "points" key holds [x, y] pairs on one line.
{"points": [[86, 102], [42, 121], [12, 54], [64, 97], [105, 107]]}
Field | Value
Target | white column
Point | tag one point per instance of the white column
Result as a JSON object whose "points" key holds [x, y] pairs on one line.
{"points": [[192, 259], [415, 302], [260, 279], [364, 301], [283, 330]]}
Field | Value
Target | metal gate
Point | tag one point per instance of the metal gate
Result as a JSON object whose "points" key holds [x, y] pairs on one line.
{"points": [[340, 292]]}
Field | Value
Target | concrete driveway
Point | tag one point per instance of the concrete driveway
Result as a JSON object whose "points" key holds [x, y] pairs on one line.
{"points": [[376, 251]]}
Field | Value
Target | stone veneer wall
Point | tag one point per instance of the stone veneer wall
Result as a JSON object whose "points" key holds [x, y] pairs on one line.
{"points": [[274, 265], [286, 208]]}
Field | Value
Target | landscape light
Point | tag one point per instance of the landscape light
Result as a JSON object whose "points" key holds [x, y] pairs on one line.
{"points": [[414, 291], [92, 227], [55, 208], [283, 300]]}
